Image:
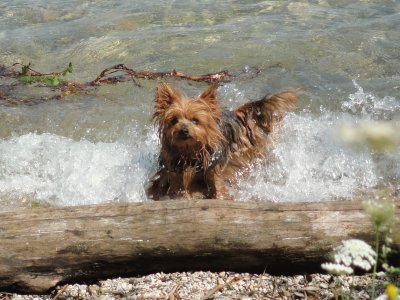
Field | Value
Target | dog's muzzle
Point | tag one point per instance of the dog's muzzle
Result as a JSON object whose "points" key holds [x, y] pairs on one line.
{"points": [[184, 133]]}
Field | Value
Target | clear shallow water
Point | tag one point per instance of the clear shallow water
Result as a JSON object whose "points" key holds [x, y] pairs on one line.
{"points": [[101, 147]]}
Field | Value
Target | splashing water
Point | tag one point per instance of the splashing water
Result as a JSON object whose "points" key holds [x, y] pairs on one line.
{"points": [[308, 162], [61, 171], [368, 106]]}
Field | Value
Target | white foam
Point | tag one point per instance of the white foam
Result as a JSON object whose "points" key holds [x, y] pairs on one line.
{"points": [[62, 171]]}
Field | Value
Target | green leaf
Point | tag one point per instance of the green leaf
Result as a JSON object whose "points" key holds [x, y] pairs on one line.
{"points": [[52, 80], [27, 79], [69, 69], [35, 204], [25, 69]]}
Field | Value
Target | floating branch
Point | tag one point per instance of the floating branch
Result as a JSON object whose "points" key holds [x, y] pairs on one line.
{"points": [[129, 74], [111, 75], [30, 75]]}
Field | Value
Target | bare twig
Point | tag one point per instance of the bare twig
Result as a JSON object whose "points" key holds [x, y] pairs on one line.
{"points": [[171, 295], [217, 288], [60, 291]]}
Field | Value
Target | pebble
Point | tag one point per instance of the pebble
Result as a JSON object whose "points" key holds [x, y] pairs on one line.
{"points": [[198, 284], [298, 294], [220, 281], [323, 285]]}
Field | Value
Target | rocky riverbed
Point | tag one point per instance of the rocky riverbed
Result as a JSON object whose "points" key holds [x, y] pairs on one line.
{"points": [[208, 285]]}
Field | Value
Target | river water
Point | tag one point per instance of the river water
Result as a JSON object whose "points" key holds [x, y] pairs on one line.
{"points": [[102, 146]]}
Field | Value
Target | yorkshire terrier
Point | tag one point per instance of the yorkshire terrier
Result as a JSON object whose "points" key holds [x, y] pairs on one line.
{"points": [[203, 146]]}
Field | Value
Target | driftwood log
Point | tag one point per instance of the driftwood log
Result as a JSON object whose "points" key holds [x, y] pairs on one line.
{"points": [[43, 247]]}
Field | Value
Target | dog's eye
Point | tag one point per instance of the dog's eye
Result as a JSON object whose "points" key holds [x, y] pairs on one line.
{"points": [[195, 121], [174, 121]]}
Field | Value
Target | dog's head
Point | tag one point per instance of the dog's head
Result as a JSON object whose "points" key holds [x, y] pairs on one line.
{"points": [[187, 124]]}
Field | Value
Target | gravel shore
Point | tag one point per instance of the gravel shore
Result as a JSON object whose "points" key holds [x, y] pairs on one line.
{"points": [[208, 285]]}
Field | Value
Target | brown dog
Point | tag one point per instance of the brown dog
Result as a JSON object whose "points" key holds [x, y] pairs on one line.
{"points": [[204, 146]]}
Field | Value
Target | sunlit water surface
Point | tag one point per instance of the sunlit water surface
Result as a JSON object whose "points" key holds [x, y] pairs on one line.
{"points": [[102, 146]]}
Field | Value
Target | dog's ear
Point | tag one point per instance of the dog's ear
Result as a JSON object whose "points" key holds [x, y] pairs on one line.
{"points": [[209, 96], [165, 96]]}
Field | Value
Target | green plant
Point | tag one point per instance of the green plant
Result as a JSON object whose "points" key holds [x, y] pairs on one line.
{"points": [[392, 272], [28, 75], [381, 214]]}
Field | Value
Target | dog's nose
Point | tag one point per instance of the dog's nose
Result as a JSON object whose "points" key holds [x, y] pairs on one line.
{"points": [[184, 133]]}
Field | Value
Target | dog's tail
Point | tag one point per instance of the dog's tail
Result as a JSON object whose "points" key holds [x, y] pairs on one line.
{"points": [[267, 112]]}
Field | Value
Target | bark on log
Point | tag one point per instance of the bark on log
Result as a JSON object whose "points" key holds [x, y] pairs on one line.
{"points": [[40, 248]]}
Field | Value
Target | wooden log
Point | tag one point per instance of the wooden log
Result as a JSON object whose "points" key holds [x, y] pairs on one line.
{"points": [[43, 247]]}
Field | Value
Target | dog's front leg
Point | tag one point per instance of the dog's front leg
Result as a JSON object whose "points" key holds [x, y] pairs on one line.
{"points": [[216, 188], [175, 184], [159, 185], [187, 178]]}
